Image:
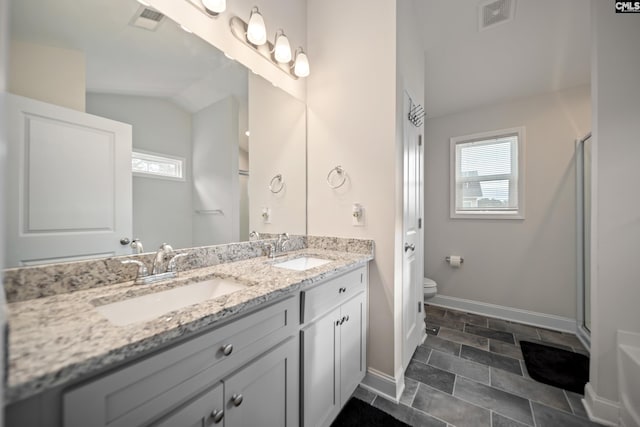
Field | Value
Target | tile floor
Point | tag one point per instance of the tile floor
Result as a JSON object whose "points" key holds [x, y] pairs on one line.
{"points": [[469, 372]]}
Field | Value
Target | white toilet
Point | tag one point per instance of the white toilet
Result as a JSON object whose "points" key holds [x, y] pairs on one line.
{"points": [[430, 288]]}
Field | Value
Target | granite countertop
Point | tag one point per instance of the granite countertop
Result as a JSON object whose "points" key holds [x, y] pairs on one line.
{"points": [[60, 338]]}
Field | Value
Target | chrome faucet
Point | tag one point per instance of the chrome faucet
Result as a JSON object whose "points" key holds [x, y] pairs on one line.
{"points": [[164, 266], [162, 256], [272, 248], [283, 242], [254, 235]]}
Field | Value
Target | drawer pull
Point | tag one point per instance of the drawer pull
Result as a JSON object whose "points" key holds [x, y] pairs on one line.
{"points": [[217, 415], [341, 290], [227, 349], [346, 319], [237, 399]]}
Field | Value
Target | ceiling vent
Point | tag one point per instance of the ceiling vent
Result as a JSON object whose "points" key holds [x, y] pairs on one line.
{"points": [[496, 12], [147, 19]]}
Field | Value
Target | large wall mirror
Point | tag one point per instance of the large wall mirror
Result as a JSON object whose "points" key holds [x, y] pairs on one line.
{"points": [[127, 126]]}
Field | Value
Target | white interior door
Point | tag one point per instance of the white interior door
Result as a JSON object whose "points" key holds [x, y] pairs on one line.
{"points": [[69, 193], [412, 296]]}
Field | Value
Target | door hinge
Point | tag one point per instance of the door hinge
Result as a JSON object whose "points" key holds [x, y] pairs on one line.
{"points": [[419, 222], [419, 307]]}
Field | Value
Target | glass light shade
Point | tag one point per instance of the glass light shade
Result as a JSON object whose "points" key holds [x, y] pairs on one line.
{"points": [[282, 50], [215, 6], [256, 30], [301, 66]]}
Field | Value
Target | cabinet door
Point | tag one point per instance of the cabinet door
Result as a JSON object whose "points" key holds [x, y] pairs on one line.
{"points": [[265, 392], [320, 370], [203, 411], [352, 346]]}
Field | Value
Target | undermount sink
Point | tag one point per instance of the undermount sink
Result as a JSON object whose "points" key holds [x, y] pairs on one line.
{"points": [[302, 263], [151, 306]]}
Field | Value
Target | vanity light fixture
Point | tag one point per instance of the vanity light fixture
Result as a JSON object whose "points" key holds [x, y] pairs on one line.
{"points": [[256, 30], [254, 35], [301, 64], [282, 49], [214, 7]]}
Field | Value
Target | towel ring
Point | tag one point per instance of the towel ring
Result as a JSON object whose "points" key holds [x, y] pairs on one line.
{"points": [[341, 173], [275, 180]]}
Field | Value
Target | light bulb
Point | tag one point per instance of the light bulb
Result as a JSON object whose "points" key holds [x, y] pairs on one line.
{"points": [[282, 50], [214, 7], [256, 30], [301, 66]]}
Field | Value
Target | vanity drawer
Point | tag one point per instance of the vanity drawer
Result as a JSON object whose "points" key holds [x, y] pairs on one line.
{"points": [[320, 299], [140, 392]]}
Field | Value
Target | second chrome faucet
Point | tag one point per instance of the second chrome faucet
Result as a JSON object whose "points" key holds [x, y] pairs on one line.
{"points": [[279, 247]]}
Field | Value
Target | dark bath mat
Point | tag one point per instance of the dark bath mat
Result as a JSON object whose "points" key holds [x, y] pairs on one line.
{"points": [[357, 413], [556, 367]]}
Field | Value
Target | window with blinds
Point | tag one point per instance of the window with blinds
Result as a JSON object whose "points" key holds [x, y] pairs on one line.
{"points": [[487, 175]]}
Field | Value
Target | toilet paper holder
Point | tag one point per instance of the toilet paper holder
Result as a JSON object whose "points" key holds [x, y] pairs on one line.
{"points": [[448, 259]]}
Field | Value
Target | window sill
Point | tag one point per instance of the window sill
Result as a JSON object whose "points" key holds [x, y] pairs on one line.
{"points": [[487, 215]]}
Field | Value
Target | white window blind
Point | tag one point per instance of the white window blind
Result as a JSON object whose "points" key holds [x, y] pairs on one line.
{"points": [[155, 165], [485, 175]]}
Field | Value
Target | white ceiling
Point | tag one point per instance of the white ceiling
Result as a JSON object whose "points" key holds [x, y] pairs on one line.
{"points": [[123, 59], [546, 47]]}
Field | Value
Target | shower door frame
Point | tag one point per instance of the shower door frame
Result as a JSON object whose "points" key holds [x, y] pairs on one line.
{"points": [[583, 334]]}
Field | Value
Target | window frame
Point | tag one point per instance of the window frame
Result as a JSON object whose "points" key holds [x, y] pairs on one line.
{"points": [[489, 213], [143, 153]]}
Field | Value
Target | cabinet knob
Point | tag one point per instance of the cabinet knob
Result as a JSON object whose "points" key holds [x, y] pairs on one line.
{"points": [[341, 290], [227, 349], [217, 415], [346, 319], [237, 399]]}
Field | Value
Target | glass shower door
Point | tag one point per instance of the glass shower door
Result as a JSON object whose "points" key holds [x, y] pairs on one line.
{"points": [[584, 188]]}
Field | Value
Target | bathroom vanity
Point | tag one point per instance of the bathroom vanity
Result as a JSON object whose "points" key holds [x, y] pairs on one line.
{"points": [[256, 356]]}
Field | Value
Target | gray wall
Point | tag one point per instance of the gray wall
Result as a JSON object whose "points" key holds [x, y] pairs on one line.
{"points": [[161, 208], [215, 173], [526, 264], [615, 222]]}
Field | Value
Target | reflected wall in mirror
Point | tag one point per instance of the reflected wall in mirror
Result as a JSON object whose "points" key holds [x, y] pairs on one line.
{"points": [[99, 80]]}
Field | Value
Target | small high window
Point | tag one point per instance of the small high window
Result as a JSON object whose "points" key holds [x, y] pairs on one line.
{"points": [[487, 175], [157, 165]]}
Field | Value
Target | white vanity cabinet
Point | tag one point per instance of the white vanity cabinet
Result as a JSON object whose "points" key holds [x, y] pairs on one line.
{"points": [[333, 342], [259, 394], [242, 372]]}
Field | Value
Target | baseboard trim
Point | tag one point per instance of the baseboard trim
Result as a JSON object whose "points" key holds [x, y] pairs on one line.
{"points": [[381, 384], [599, 409], [548, 321]]}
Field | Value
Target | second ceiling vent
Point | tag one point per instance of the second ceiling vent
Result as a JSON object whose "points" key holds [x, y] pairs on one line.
{"points": [[495, 12]]}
